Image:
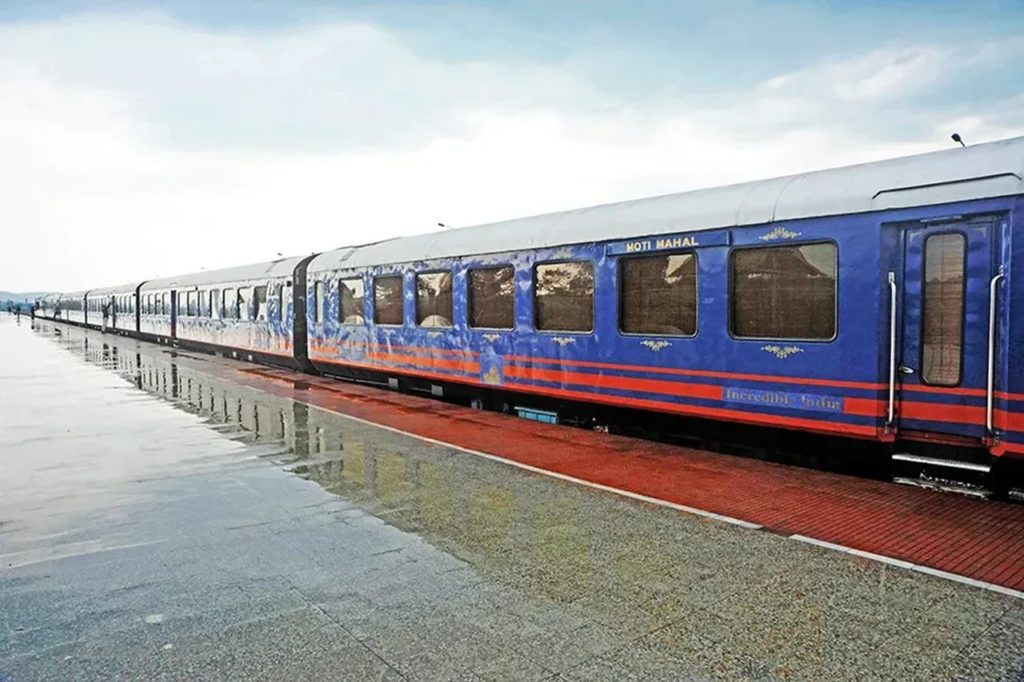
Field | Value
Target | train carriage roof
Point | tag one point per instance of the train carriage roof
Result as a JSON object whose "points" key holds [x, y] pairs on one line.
{"points": [[282, 267], [126, 288], [976, 172]]}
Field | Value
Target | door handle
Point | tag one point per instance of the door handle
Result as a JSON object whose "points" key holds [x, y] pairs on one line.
{"points": [[906, 370]]}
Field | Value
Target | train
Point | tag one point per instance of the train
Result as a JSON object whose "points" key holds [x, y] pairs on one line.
{"points": [[872, 303]]}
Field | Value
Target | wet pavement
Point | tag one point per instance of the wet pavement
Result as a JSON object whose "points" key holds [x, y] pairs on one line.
{"points": [[159, 521]]}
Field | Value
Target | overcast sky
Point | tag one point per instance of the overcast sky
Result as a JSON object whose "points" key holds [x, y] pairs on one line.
{"points": [[149, 139]]}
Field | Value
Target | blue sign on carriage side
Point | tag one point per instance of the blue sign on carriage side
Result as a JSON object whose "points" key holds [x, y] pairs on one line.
{"points": [[668, 242], [795, 401]]}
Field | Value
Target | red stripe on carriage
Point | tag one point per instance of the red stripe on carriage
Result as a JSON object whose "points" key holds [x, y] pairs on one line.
{"points": [[678, 388]]}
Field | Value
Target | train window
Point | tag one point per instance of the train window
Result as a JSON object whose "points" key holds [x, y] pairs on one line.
{"points": [[259, 302], [275, 295], [318, 302], [230, 306], [192, 308], [167, 304], [784, 292], [658, 295], [434, 299], [388, 304], [564, 296], [943, 309], [286, 297], [352, 292], [492, 298], [242, 303], [215, 311]]}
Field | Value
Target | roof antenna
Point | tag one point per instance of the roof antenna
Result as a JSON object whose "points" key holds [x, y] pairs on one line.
{"points": [[442, 225], [956, 138]]}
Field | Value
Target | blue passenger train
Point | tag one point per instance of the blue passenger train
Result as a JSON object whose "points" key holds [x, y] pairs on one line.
{"points": [[871, 302]]}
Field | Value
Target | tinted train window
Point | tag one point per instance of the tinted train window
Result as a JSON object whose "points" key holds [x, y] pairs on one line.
{"points": [[564, 296], [230, 305], [318, 302], [388, 305], [286, 297], [242, 304], [215, 310], [434, 299], [784, 292], [192, 303], [943, 309], [259, 301], [492, 298], [353, 294], [658, 295]]}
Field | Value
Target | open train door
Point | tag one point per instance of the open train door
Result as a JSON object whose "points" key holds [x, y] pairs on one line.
{"points": [[947, 351]]}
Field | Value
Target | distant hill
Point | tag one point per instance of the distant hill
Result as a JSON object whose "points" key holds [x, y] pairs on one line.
{"points": [[22, 296]]}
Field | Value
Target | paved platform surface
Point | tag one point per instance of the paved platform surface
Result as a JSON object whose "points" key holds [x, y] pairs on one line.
{"points": [[170, 516], [978, 539]]}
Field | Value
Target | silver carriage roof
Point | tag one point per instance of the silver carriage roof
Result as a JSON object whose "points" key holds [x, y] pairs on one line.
{"points": [[976, 172], [282, 267], [126, 288]]}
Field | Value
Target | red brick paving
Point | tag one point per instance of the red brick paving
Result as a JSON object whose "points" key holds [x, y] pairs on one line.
{"points": [[978, 539]]}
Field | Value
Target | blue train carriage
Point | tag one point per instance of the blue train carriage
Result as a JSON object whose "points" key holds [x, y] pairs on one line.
{"points": [[72, 305], [245, 312], [872, 302], [113, 309], [47, 306]]}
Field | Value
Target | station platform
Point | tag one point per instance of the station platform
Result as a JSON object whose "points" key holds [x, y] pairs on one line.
{"points": [[953, 535], [169, 515]]}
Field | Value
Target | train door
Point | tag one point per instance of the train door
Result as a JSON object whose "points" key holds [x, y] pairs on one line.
{"points": [[942, 371]]}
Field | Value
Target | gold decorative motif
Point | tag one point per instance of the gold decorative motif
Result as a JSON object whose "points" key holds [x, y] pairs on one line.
{"points": [[493, 376], [491, 337], [782, 352], [779, 232], [563, 340], [656, 345]]}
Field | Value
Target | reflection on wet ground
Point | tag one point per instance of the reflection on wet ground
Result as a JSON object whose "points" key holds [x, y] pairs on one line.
{"points": [[158, 521]]}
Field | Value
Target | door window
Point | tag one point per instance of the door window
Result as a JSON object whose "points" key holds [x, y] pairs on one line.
{"points": [[943, 309]]}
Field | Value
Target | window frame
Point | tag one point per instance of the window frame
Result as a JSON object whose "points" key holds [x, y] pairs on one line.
{"points": [[416, 298], [696, 292], [400, 276], [593, 296], [963, 307], [469, 297], [256, 303], [341, 319], [731, 294], [242, 312]]}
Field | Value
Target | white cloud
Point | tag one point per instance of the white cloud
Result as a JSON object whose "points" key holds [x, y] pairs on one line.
{"points": [[137, 148]]}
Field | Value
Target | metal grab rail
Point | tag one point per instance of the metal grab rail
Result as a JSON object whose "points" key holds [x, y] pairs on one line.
{"points": [[993, 294], [891, 415]]}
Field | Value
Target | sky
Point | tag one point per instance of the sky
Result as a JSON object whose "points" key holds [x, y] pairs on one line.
{"points": [[148, 139]]}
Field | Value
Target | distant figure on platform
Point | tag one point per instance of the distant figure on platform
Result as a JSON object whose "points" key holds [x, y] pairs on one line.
{"points": [[17, 312], [106, 315]]}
